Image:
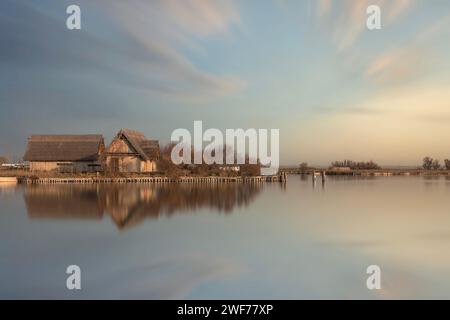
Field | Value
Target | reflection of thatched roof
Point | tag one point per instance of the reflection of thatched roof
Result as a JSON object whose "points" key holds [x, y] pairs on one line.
{"points": [[64, 147], [63, 202], [147, 149], [130, 204]]}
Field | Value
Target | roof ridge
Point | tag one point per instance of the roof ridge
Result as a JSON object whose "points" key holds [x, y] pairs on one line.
{"points": [[130, 131], [135, 144], [63, 149], [66, 137]]}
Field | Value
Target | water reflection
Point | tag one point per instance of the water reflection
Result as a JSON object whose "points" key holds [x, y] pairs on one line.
{"points": [[128, 205], [286, 242]]}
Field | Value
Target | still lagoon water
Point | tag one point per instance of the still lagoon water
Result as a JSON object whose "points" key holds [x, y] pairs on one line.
{"points": [[230, 241]]}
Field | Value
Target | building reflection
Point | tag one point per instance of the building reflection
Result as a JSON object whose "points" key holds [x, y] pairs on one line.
{"points": [[130, 204]]}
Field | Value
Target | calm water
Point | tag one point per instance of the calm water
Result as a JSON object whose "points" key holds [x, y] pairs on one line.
{"points": [[229, 241]]}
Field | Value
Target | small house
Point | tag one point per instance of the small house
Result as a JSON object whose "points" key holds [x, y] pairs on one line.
{"points": [[230, 168], [65, 153], [131, 152]]}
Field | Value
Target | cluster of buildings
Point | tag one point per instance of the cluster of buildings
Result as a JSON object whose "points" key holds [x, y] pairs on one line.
{"points": [[129, 152]]}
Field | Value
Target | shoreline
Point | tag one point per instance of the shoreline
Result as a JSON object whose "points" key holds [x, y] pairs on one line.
{"points": [[123, 180], [374, 172], [281, 177]]}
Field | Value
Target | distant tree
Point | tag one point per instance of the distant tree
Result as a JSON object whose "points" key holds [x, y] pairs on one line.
{"points": [[447, 164], [427, 163], [371, 165], [303, 166], [167, 167], [3, 160], [435, 165], [165, 164], [166, 150]]}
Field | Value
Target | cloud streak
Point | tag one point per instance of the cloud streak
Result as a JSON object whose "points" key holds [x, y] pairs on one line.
{"points": [[323, 7], [396, 66], [404, 63], [139, 55], [348, 19]]}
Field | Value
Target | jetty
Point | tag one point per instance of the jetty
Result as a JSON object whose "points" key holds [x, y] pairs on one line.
{"points": [[186, 179]]}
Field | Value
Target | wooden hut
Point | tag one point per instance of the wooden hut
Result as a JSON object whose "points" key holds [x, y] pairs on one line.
{"points": [[131, 152], [65, 153]]}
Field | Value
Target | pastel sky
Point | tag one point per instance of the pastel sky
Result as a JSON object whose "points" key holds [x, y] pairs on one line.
{"points": [[309, 68]]}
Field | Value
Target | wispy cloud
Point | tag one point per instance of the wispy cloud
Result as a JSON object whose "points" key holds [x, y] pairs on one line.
{"points": [[351, 110], [396, 65], [202, 17], [145, 51], [394, 9], [162, 27], [404, 62], [174, 22], [350, 24], [323, 7], [348, 18], [441, 26]]}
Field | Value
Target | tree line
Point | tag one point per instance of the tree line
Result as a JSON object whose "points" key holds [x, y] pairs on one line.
{"points": [[167, 167], [428, 164], [369, 165], [354, 165], [434, 164], [3, 160]]}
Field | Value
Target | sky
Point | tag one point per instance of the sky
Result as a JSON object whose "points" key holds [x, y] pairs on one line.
{"points": [[310, 68]]}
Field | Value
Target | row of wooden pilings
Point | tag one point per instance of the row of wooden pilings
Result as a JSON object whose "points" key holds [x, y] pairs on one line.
{"points": [[258, 179]]}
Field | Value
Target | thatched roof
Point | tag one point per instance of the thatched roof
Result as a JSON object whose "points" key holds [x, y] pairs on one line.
{"points": [[64, 147], [147, 149], [150, 148]]}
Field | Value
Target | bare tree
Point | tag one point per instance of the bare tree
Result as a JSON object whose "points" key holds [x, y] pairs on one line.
{"points": [[447, 164], [436, 165], [303, 166], [427, 163]]}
